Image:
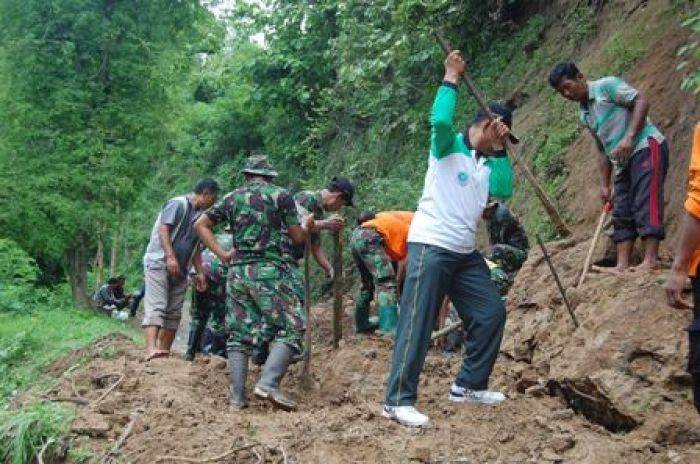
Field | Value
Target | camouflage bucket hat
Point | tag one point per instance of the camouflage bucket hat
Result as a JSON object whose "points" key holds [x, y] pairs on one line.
{"points": [[259, 165]]}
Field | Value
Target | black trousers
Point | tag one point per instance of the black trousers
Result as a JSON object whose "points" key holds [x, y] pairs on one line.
{"points": [[694, 345]]}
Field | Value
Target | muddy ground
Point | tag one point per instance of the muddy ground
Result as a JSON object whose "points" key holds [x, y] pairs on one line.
{"points": [[613, 390]]}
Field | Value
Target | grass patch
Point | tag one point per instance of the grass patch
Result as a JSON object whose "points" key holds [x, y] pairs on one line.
{"points": [[31, 341], [24, 434]]}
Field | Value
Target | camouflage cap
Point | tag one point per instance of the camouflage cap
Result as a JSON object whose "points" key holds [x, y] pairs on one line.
{"points": [[259, 165]]}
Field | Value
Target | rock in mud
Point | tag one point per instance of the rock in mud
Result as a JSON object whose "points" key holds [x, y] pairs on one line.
{"points": [[562, 442], [93, 425], [677, 433], [217, 362], [536, 391], [563, 414], [586, 397], [421, 454]]}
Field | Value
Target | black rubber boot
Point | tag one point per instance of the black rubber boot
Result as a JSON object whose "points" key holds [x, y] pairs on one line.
{"points": [[192, 344], [275, 367], [362, 319], [237, 375]]}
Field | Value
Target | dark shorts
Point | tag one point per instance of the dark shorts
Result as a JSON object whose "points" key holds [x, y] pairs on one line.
{"points": [[639, 195]]}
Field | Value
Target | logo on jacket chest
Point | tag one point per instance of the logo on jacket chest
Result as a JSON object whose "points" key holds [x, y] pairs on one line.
{"points": [[462, 178]]}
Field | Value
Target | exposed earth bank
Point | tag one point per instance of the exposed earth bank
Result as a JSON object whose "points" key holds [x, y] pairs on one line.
{"points": [[613, 390]]}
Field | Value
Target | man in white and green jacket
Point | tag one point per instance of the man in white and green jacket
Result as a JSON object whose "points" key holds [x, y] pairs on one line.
{"points": [[463, 170]]}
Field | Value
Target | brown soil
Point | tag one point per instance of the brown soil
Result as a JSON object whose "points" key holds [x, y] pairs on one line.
{"points": [[613, 390]]}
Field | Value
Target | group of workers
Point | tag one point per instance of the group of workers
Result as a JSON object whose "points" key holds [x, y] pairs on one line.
{"points": [[248, 285]]}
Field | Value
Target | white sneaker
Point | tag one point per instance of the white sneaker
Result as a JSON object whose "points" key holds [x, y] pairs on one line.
{"points": [[405, 415], [460, 395]]}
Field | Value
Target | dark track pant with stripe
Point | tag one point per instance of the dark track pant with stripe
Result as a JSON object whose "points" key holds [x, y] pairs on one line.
{"points": [[432, 273], [639, 195]]}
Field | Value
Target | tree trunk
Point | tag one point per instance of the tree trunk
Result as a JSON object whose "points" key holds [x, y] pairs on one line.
{"points": [[77, 271], [113, 255], [100, 261]]}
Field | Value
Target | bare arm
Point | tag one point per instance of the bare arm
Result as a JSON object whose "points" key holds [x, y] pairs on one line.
{"points": [[321, 258], [401, 275], [197, 261], [171, 263], [605, 169], [640, 110], [297, 234], [687, 244], [204, 228]]}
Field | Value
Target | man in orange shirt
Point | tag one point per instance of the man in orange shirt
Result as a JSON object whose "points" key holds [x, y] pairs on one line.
{"points": [[378, 245], [687, 261]]}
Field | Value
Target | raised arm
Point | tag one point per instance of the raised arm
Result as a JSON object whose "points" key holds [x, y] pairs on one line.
{"points": [[442, 119]]}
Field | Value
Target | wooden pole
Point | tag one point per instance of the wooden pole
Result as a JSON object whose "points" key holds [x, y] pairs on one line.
{"points": [[445, 330], [556, 279], [512, 151], [306, 371], [594, 242], [337, 289]]}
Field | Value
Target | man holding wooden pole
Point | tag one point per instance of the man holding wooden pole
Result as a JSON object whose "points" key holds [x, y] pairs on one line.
{"points": [[463, 170]]}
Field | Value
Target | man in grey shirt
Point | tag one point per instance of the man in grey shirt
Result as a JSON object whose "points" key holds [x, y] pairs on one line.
{"points": [[170, 252]]}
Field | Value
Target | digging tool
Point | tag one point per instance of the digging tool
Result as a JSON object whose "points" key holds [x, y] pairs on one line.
{"points": [[512, 151], [306, 371], [337, 289], [596, 235], [556, 278], [445, 330]]}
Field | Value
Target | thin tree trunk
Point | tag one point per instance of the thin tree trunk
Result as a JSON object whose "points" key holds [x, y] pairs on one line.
{"points": [[100, 261], [77, 271]]}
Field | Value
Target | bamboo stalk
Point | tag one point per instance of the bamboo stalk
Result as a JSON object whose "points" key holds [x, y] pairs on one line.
{"points": [[337, 289]]}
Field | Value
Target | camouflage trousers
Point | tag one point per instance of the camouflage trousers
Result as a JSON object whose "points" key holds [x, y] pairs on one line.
{"points": [[208, 310], [501, 279], [509, 260], [374, 265], [262, 305]]}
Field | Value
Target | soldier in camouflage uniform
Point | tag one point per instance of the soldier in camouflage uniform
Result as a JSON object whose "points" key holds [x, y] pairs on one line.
{"points": [[378, 245], [208, 308], [508, 244], [337, 194], [261, 304]]}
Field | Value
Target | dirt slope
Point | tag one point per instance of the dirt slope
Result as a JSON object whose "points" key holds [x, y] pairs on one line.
{"points": [[623, 369]]}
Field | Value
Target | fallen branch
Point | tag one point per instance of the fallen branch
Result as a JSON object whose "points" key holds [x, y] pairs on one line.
{"points": [[69, 399], [122, 438], [40, 456], [205, 460], [284, 455], [110, 390]]}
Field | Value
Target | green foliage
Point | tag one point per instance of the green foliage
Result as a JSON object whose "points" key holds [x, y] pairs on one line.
{"points": [[691, 54], [26, 351], [18, 279], [581, 24], [24, 434], [622, 53]]}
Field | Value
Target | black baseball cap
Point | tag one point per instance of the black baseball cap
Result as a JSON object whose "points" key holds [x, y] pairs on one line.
{"points": [[344, 186], [501, 111]]}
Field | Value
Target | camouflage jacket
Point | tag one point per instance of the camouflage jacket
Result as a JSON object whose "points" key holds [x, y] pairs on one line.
{"points": [[214, 269], [307, 202], [504, 227], [258, 214]]}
